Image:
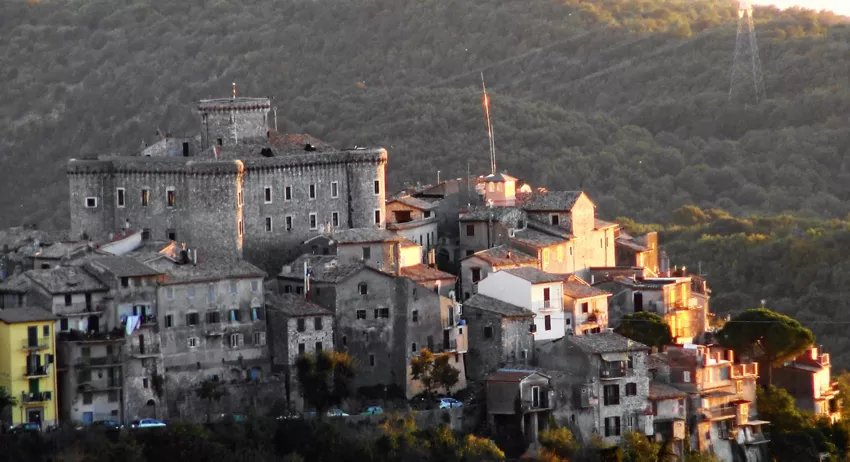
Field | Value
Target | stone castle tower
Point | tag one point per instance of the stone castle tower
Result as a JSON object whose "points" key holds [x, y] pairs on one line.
{"points": [[235, 190]]}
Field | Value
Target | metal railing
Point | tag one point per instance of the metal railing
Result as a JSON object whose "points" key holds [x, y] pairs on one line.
{"points": [[40, 343], [549, 305], [137, 350], [102, 361], [36, 397], [612, 372], [720, 411], [745, 370], [40, 371]]}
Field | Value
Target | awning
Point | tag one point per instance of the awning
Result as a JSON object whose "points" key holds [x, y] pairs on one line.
{"points": [[612, 357]]}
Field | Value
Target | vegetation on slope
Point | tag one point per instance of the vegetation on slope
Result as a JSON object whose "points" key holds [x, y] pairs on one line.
{"points": [[625, 99]]}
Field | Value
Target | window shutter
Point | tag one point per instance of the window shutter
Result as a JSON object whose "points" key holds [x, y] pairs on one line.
{"points": [[262, 338], [241, 339]]}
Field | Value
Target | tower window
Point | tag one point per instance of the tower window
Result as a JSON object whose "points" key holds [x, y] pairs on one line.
{"points": [[378, 217], [171, 199], [289, 223], [241, 228], [119, 197], [335, 189], [185, 149], [287, 193], [377, 187], [220, 142], [91, 202], [312, 191], [267, 192], [313, 221], [268, 224], [146, 197], [335, 219], [171, 234]]}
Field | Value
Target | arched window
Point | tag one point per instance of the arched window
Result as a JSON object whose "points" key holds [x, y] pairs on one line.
{"points": [[362, 288]]}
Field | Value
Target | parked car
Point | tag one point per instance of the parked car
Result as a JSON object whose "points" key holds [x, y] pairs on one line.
{"points": [[373, 410], [336, 413], [110, 425], [447, 403], [28, 427], [147, 423], [289, 416]]}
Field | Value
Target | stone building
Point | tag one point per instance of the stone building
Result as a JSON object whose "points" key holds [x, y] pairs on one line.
{"points": [[520, 401], [808, 378], [381, 319], [500, 335], [212, 325], [376, 247], [585, 306], [414, 219], [641, 251], [296, 326], [669, 414], [477, 266], [602, 382], [238, 189]]}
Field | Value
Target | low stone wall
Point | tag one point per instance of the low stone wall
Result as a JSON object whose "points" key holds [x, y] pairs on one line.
{"points": [[247, 398], [462, 419]]}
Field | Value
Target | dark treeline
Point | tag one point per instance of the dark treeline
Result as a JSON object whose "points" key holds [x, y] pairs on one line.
{"points": [[624, 99]]}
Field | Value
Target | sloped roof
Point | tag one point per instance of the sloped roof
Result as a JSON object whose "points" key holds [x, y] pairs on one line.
{"points": [[660, 390], [576, 287], [631, 244], [559, 230], [602, 224], [606, 342], [534, 275], [537, 239], [552, 201], [207, 269], [60, 250], [66, 280], [364, 235], [324, 269], [421, 272], [16, 284], [657, 360], [123, 266], [483, 302], [294, 305], [26, 314], [499, 177], [503, 255], [513, 375], [485, 213], [416, 203]]}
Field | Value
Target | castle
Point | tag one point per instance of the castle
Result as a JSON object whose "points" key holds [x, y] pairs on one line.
{"points": [[238, 189]]}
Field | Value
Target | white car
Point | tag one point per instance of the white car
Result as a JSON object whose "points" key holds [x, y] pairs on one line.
{"points": [[337, 413], [147, 423], [447, 403]]}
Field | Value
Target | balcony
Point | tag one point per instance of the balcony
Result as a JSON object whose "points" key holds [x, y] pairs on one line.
{"points": [[36, 397], [109, 384], [40, 343], [720, 412], [740, 371], [455, 339], [113, 336], [103, 361], [613, 371], [31, 372], [544, 403], [547, 305], [145, 351]]}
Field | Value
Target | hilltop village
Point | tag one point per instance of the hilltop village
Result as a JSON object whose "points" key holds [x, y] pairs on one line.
{"points": [[223, 257]]}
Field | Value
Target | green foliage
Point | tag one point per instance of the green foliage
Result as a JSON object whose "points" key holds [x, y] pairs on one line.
{"points": [[647, 328], [210, 390], [434, 371], [325, 379], [766, 335], [559, 441], [6, 400], [624, 99], [638, 448]]}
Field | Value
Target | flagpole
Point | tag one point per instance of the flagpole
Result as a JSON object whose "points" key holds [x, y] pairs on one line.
{"points": [[486, 103]]}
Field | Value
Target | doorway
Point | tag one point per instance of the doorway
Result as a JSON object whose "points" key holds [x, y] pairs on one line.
{"points": [[35, 415], [638, 302]]}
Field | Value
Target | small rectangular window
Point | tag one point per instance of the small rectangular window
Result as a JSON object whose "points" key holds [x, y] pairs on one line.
{"points": [[236, 340], [171, 234], [361, 314], [170, 198], [67, 299], [547, 322], [169, 320], [192, 319], [334, 189], [211, 292], [119, 197], [87, 397], [91, 202], [377, 187], [470, 230], [301, 325], [301, 349], [488, 332], [318, 347], [313, 221], [289, 223], [146, 234], [241, 228], [259, 338], [686, 376], [287, 193], [317, 323], [378, 217], [556, 220], [255, 285], [367, 253], [372, 360], [267, 195], [193, 342], [335, 219], [213, 317], [415, 316], [312, 191], [146, 197], [45, 331], [268, 224], [235, 316], [169, 292], [125, 282]]}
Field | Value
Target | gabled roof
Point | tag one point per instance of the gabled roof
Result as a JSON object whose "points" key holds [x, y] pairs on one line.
{"points": [[536, 239], [363, 236], [631, 244], [503, 256], [552, 201], [559, 231], [606, 342], [324, 269], [659, 391], [66, 280], [416, 203], [498, 177], [482, 213], [533, 275], [602, 224], [26, 314], [513, 375], [207, 270], [485, 303], [16, 284], [578, 288], [294, 305], [60, 250], [422, 273], [123, 266]]}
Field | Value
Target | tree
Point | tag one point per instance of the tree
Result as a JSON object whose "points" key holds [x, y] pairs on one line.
{"points": [[637, 448], [558, 441], [647, 328], [6, 400], [689, 215], [325, 378], [766, 336], [434, 371], [210, 390]]}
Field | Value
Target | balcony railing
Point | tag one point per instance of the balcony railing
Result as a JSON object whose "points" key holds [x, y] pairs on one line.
{"points": [[40, 343], [547, 305], [147, 350], [102, 361], [720, 412], [542, 404], [33, 372], [613, 372], [36, 397], [745, 370]]}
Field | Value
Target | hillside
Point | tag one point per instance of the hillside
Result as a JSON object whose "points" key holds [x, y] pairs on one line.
{"points": [[625, 99], [798, 267]]}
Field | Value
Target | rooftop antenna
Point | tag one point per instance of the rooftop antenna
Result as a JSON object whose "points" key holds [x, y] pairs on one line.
{"points": [[486, 103], [234, 90], [747, 82]]}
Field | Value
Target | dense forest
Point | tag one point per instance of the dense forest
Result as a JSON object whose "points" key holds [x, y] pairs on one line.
{"points": [[797, 267], [626, 99]]}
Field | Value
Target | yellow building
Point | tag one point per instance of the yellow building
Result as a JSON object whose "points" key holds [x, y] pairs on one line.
{"points": [[27, 364]]}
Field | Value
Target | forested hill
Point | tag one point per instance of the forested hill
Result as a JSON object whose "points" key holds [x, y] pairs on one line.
{"points": [[626, 99]]}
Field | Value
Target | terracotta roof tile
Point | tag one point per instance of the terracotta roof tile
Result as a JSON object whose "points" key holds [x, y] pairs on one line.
{"points": [[504, 256], [660, 390], [534, 275], [294, 305], [420, 273], [26, 314], [552, 201], [485, 303]]}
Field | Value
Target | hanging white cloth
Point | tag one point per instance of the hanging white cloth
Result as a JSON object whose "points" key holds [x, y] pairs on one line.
{"points": [[132, 323]]}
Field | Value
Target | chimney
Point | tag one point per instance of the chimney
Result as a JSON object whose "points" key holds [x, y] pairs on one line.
{"points": [[396, 258], [195, 257], [730, 355], [432, 258]]}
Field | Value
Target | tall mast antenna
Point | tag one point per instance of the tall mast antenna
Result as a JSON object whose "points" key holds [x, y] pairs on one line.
{"points": [[747, 82], [486, 103]]}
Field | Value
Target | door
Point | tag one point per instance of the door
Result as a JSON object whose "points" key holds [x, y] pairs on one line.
{"points": [[35, 415], [32, 336], [88, 417], [546, 297], [638, 302], [94, 324], [141, 344], [535, 397]]}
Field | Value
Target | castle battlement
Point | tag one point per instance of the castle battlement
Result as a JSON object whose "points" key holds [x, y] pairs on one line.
{"points": [[234, 104]]}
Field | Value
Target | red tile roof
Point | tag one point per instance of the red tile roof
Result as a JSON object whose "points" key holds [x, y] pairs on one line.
{"points": [[422, 272]]}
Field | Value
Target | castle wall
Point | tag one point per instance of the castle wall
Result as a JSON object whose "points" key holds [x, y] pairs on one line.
{"points": [[233, 120]]}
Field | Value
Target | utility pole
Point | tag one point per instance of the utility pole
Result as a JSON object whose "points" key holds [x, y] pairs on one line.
{"points": [[747, 82]]}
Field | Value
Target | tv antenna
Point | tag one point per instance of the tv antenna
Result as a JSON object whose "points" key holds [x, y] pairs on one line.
{"points": [[747, 82]]}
